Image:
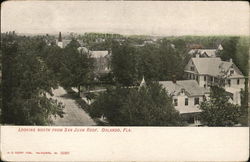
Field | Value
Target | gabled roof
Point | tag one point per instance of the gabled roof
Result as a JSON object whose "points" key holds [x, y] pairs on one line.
{"points": [[191, 87], [211, 66], [208, 52], [98, 54], [220, 47]]}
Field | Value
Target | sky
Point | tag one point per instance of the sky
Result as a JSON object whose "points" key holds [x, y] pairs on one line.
{"points": [[126, 17]]}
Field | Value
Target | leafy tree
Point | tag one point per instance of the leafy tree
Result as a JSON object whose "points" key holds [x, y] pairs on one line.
{"points": [[26, 83], [229, 49], [244, 107], [218, 111], [124, 64], [148, 62], [146, 106], [242, 55], [54, 58], [74, 44], [180, 45], [77, 67], [171, 62]]}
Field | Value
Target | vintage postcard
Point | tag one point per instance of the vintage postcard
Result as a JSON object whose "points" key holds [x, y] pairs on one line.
{"points": [[124, 81]]}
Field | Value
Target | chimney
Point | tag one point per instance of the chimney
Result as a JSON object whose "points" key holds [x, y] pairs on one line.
{"points": [[197, 55], [230, 60], [174, 79]]}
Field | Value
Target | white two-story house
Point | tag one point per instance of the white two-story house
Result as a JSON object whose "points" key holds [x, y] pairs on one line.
{"points": [[101, 59], [187, 96], [214, 71]]}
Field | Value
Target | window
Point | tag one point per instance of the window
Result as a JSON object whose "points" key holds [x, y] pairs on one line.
{"points": [[205, 78], [175, 102], [238, 81], [231, 72], [196, 101], [186, 101], [205, 86], [192, 68], [229, 82], [215, 80], [211, 78], [197, 78]]}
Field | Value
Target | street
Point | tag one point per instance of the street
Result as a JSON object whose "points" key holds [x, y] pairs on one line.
{"points": [[74, 115]]}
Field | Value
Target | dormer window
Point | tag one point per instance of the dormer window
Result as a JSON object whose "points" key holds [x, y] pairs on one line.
{"points": [[231, 72], [229, 82], [175, 102]]}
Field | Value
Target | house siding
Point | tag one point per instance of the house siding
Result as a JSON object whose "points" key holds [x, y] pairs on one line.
{"points": [[191, 99]]}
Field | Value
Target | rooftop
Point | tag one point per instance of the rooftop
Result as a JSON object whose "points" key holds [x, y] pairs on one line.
{"points": [[82, 49], [208, 52], [98, 54], [211, 66], [190, 86], [189, 109]]}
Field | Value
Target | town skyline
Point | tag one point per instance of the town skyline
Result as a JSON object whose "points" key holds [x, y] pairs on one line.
{"points": [[127, 18]]}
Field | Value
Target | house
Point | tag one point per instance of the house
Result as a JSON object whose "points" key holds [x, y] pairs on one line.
{"points": [[83, 50], [187, 96], [203, 52], [214, 71], [102, 61]]}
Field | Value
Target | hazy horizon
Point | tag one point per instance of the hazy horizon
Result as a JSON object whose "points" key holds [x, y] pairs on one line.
{"points": [[126, 17]]}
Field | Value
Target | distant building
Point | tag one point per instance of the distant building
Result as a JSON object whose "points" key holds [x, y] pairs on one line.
{"points": [[102, 61], [82, 44], [62, 43], [214, 71], [187, 96], [83, 50], [59, 42], [99, 40], [203, 52], [148, 42], [220, 47]]}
